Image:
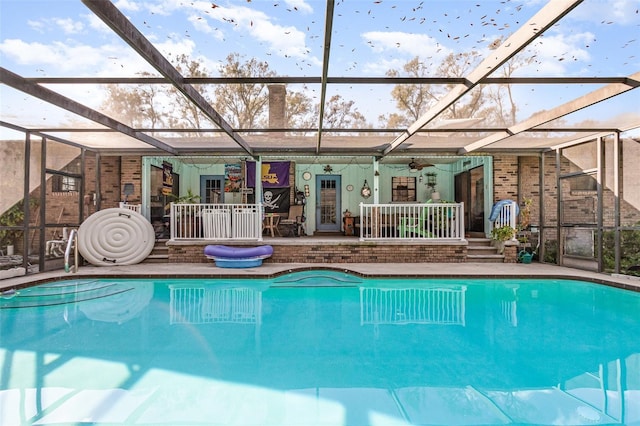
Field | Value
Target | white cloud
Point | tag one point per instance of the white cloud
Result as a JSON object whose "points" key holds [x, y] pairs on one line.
{"points": [[68, 25], [173, 48], [285, 41], [38, 26], [299, 5], [78, 60], [406, 45], [556, 52], [615, 12], [123, 5], [97, 24], [382, 66]]}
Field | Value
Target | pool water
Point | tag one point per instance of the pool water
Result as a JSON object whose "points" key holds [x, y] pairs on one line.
{"points": [[320, 348]]}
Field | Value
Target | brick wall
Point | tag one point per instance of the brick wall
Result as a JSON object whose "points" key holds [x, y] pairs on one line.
{"points": [[131, 172], [339, 253], [505, 177], [110, 182]]}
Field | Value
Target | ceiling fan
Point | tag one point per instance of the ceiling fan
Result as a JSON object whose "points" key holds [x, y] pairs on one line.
{"points": [[416, 167]]}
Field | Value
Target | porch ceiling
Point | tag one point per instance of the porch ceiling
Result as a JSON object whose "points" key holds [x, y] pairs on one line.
{"points": [[562, 73]]}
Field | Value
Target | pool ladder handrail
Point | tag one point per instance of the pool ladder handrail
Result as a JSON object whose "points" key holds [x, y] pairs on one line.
{"points": [[73, 242]]}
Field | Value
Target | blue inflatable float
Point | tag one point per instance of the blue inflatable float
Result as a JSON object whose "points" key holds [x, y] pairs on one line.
{"points": [[238, 257]]}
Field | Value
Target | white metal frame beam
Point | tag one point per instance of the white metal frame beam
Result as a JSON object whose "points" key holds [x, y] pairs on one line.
{"points": [[54, 98], [551, 13], [115, 20], [579, 103]]}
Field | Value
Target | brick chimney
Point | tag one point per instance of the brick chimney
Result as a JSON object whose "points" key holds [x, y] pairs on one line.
{"points": [[277, 99]]}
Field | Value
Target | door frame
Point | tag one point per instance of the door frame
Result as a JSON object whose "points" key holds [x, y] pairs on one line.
{"points": [[323, 227], [203, 179]]}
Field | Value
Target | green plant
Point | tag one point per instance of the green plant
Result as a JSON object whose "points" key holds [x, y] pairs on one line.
{"points": [[629, 251], [525, 214], [11, 218], [551, 251], [190, 198], [503, 233]]}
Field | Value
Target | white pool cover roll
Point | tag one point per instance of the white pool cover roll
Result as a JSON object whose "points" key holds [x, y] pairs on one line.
{"points": [[115, 237]]}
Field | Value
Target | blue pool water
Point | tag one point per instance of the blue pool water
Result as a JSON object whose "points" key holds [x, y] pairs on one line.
{"points": [[320, 348]]}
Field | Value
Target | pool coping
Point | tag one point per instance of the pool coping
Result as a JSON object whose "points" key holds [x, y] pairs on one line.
{"points": [[364, 270]]}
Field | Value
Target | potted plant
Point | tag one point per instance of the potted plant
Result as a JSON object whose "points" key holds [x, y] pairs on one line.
{"points": [[501, 235]]}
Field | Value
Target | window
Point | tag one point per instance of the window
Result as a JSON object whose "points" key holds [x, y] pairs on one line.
{"points": [[403, 189], [62, 183]]}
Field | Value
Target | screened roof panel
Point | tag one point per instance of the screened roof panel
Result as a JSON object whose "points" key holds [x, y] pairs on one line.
{"points": [[598, 38], [28, 111], [353, 58]]}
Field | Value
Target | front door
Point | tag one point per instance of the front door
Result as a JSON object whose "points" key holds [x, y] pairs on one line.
{"points": [[212, 189], [328, 203]]}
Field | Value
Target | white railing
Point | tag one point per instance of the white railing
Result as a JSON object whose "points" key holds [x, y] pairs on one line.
{"points": [[216, 221], [505, 214], [134, 207], [200, 305], [428, 221], [430, 305]]}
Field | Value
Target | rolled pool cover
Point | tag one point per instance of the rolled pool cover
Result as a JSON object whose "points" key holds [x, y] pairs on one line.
{"points": [[115, 237], [238, 257]]}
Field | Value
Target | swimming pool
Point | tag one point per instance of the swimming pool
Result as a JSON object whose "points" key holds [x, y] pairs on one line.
{"points": [[320, 347]]}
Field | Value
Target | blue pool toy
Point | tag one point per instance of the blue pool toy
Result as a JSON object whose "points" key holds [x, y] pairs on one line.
{"points": [[238, 257]]}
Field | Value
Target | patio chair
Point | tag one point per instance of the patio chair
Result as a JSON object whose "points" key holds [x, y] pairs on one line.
{"points": [[416, 225], [293, 223]]}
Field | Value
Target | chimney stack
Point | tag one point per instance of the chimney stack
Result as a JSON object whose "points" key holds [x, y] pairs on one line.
{"points": [[277, 100]]}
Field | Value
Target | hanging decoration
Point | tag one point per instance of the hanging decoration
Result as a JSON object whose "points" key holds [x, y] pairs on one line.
{"points": [[365, 191]]}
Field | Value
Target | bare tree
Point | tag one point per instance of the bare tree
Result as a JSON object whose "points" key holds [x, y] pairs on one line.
{"points": [[243, 105], [185, 114], [339, 113], [412, 100], [138, 106]]}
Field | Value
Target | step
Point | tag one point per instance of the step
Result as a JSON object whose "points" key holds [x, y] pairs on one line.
{"points": [[482, 258], [479, 242], [481, 250], [156, 258]]}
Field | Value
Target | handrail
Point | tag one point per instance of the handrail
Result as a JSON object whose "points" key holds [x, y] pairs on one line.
{"points": [[73, 241]]}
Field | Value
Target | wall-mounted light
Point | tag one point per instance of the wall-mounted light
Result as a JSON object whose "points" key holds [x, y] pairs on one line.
{"points": [[307, 192]]}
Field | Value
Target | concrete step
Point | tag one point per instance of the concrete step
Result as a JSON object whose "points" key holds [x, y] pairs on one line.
{"points": [[481, 250], [475, 242], [482, 258], [156, 258], [159, 254]]}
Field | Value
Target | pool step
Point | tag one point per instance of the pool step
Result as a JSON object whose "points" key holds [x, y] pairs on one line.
{"points": [[480, 250]]}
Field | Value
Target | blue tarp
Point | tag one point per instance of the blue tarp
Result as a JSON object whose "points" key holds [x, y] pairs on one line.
{"points": [[495, 211]]}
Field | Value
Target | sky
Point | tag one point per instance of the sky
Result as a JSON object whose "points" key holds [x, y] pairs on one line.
{"points": [[62, 38]]}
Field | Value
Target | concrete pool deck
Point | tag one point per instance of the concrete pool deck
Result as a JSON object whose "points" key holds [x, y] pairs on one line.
{"points": [[268, 270]]}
